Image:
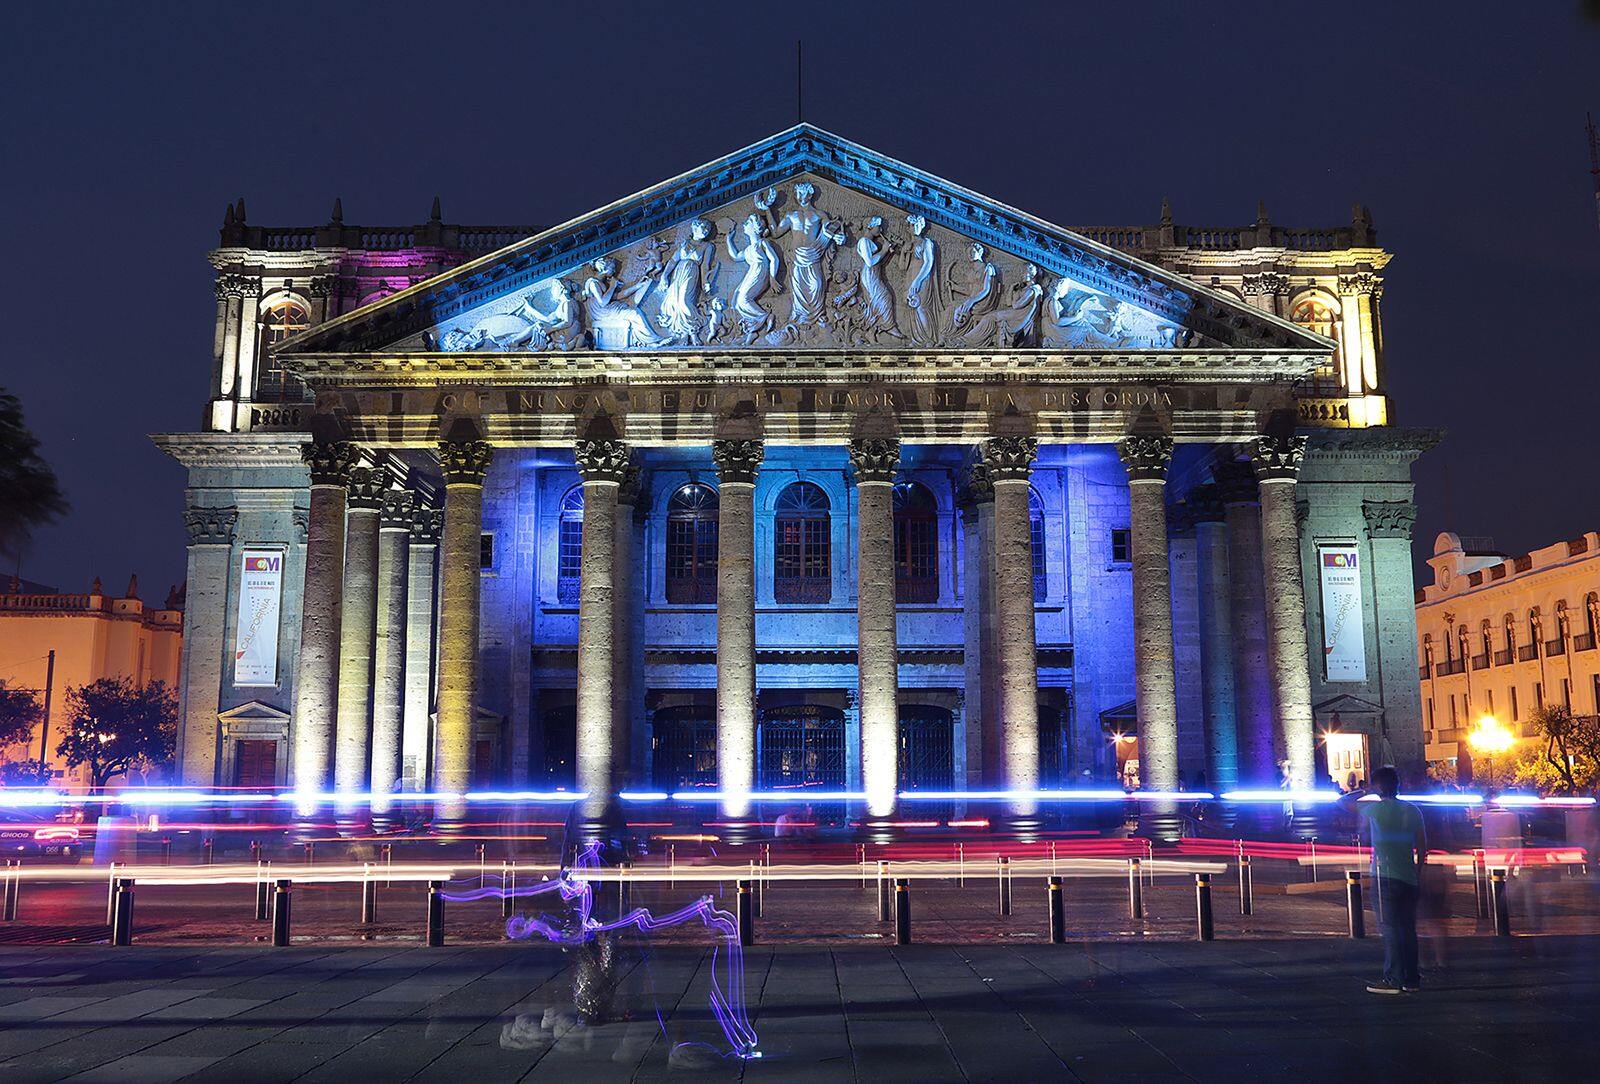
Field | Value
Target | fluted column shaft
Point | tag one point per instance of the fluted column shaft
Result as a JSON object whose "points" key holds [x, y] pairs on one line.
{"points": [[352, 736], [1216, 642], [317, 668], [1247, 624], [1155, 690], [422, 586], [389, 647], [1009, 461], [464, 464], [625, 638], [737, 464], [1277, 463], [981, 707], [603, 465], [874, 462]]}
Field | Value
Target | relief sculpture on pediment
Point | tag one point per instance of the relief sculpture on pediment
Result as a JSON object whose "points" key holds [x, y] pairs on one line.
{"points": [[807, 264]]}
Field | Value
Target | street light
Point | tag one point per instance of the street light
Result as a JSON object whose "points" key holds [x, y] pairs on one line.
{"points": [[1489, 737]]}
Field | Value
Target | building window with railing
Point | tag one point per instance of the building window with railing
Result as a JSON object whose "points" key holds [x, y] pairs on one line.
{"points": [[1041, 578], [1319, 312], [280, 318], [1509, 655], [916, 544], [1530, 651], [569, 547], [802, 546], [1591, 618], [692, 545]]}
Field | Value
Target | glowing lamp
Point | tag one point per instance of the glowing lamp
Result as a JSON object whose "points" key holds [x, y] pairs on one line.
{"points": [[1490, 736]]}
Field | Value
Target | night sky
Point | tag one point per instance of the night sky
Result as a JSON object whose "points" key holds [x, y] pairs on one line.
{"points": [[129, 126]]}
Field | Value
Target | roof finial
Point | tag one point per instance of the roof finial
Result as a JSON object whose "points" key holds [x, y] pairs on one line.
{"points": [[133, 587], [95, 588], [337, 218], [1166, 211], [227, 217], [434, 215], [238, 213], [1261, 214]]}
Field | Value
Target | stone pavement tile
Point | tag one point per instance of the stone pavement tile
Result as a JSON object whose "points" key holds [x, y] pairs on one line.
{"points": [[38, 1008], [376, 1060], [205, 1009], [217, 1041], [902, 1050], [142, 1069], [85, 1051], [28, 1038], [273, 1065], [131, 1006]]}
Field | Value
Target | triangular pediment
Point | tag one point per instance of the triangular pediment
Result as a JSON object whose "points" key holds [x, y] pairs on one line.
{"points": [[804, 240], [253, 710]]}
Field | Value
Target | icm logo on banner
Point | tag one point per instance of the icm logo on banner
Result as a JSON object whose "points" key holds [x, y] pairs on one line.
{"points": [[1344, 640], [255, 645]]}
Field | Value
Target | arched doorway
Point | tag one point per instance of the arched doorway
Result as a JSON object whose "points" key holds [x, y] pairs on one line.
{"points": [[800, 745], [683, 751], [560, 746], [1055, 761]]}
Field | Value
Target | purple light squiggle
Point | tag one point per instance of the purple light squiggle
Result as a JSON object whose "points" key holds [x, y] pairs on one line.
{"points": [[727, 992]]}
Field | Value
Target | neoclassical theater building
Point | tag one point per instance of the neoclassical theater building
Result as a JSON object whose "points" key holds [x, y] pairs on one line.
{"points": [[803, 468]]}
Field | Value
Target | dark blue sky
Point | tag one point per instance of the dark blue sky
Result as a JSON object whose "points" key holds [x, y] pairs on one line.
{"points": [[129, 126]]}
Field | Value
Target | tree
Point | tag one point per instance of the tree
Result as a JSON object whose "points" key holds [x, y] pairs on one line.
{"points": [[19, 714], [113, 726], [23, 773], [30, 496], [1569, 749]]}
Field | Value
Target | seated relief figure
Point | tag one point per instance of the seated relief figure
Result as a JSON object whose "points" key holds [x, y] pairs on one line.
{"points": [[614, 316], [761, 266], [981, 287], [1012, 325], [687, 278], [559, 329], [1079, 319]]}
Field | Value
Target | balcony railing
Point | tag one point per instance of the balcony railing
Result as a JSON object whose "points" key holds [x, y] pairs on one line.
{"points": [[1555, 647], [1480, 662], [1504, 658], [1423, 673], [1584, 641], [1452, 666], [1527, 652]]}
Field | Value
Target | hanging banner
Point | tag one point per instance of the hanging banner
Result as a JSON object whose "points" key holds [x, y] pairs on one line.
{"points": [[255, 646], [1344, 628]]}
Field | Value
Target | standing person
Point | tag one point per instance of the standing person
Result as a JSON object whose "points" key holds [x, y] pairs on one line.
{"points": [[1399, 848]]}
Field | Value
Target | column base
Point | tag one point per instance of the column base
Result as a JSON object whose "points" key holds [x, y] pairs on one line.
{"points": [[1159, 822]]}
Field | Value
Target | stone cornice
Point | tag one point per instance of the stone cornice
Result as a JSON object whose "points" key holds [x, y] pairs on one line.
{"points": [[232, 449], [1404, 443]]}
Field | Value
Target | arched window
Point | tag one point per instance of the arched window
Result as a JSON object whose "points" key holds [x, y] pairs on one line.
{"points": [[1466, 644], [1486, 634], [916, 544], [692, 545], [1427, 654], [280, 318], [1319, 312], [1591, 618], [569, 546], [802, 569], [1511, 637], [1041, 579], [1535, 633]]}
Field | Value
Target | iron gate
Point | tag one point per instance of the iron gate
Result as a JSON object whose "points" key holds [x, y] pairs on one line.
{"points": [[801, 745], [683, 748]]}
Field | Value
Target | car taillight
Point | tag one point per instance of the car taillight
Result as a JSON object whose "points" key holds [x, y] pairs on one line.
{"points": [[54, 835]]}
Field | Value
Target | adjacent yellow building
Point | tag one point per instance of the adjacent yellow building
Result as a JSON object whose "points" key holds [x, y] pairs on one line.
{"points": [[94, 635]]}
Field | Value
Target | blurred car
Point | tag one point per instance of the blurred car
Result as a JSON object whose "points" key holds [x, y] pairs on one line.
{"points": [[26, 832]]}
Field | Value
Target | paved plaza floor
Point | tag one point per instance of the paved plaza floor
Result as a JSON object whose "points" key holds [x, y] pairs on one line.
{"points": [[1494, 1009]]}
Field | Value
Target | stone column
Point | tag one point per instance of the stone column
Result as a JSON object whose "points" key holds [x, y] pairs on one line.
{"points": [[1247, 623], [1009, 461], [416, 741], [623, 575], [976, 501], [1277, 463], [464, 464], [1218, 696], [211, 532], [1155, 689], [877, 644], [317, 669], [737, 464], [389, 648], [603, 465], [352, 734]]}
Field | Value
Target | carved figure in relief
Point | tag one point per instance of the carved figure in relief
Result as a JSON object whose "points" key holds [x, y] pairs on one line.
{"points": [[814, 234], [981, 287], [559, 329], [688, 275], [760, 259], [877, 300], [1012, 325], [922, 293], [614, 316], [1081, 319]]}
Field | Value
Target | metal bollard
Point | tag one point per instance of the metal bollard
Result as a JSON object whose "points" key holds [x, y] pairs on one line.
{"points": [[1003, 872], [508, 888], [672, 864], [755, 881], [1352, 896], [1480, 883], [435, 928], [883, 891], [111, 893], [13, 877], [166, 850], [861, 861], [1205, 926], [280, 914], [746, 914], [207, 847], [482, 872], [1058, 913], [902, 911], [122, 914], [262, 892], [1502, 908], [1247, 887], [1313, 858], [386, 852], [369, 897], [1135, 890], [255, 851], [961, 865]]}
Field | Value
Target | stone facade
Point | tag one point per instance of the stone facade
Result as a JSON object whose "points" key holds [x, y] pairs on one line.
{"points": [[691, 511]]}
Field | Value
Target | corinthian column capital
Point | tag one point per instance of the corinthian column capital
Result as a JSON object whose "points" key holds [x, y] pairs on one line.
{"points": [[426, 524], [1009, 459], [464, 462], [603, 460], [874, 459], [330, 462], [1145, 457], [1277, 459], [367, 488], [397, 513], [737, 460]]}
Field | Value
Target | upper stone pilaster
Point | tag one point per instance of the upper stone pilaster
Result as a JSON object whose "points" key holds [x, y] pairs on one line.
{"points": [[631, 489], [1277, 459], [330, 462], [1145, 457], [603, 460], [210, 526], [1009, 459], [464, 462], [977, 487], [874, 459], [737, 460]]}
